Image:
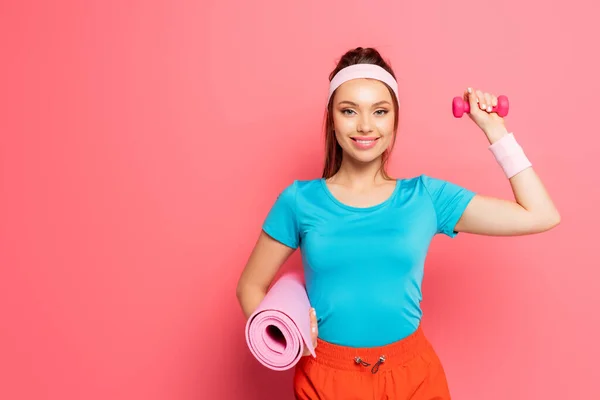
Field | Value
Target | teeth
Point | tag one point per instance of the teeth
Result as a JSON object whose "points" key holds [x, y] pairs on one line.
{"points": [[364, 141]]}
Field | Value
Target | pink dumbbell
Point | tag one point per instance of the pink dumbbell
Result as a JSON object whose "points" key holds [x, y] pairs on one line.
{"points": [[460, 106]]}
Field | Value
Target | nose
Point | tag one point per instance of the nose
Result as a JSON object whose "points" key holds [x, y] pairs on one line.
{"points": [[364, 124]]}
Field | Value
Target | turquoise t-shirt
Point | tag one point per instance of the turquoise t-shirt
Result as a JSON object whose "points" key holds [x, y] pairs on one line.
{"points": [[364, 266]]}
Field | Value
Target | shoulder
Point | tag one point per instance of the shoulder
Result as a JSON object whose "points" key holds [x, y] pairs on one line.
{"points": [[434, 187], [298, 188], [444, 193], [419, 182], [435, 184], [431, 183], [308, 184], [302, 186]]}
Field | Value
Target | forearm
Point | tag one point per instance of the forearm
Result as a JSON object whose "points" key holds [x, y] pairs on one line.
{"points": [[530, 193], [528, 189]]}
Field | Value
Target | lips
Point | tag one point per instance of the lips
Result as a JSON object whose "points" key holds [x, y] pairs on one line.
{"points": [[363, 142]]}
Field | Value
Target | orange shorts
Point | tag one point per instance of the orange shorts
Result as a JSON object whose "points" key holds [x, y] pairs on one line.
{"points": [[407, 369]]}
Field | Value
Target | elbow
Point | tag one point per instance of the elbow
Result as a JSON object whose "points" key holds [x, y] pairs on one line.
{"points": [[241, 293], [246, 289], [550, 221], [249, 296], [240, 289], [554, 219]]}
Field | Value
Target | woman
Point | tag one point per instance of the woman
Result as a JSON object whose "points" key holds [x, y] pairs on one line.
{"points": [[364, 237]]}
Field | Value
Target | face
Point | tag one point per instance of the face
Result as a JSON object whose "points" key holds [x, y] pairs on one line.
{"points": [[363, 118]]}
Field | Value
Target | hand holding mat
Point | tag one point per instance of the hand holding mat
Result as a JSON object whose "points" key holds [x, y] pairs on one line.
{"points": [[278, 331]]}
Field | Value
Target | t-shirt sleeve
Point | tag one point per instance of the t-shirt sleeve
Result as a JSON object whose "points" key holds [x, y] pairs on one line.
{"points": [[449, 201], [281, 222]]}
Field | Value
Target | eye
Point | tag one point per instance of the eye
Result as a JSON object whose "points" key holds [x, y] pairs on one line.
{"points": [[381, 112], [347, 111]]}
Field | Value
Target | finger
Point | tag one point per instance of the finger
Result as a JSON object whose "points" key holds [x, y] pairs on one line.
{"points": [[471, 97], [481, 99], [494, 101], [488, 101]]}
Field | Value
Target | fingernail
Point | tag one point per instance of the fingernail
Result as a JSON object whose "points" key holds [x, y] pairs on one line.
{"points": [[470, 90], [489, 108], [314, 329], [483, 106]]}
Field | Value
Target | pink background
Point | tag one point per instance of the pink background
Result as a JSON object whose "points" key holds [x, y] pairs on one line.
{"points": [[143, 142]]}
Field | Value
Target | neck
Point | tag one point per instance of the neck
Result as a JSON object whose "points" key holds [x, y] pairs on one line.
{"points": [[359, 175]]}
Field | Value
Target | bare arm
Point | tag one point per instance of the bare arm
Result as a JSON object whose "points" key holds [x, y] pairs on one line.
{"points": [[532, 210], [267, 256], [265, 260]]}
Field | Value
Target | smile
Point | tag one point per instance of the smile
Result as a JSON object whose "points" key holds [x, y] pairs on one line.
{"points": [[364, 143]]}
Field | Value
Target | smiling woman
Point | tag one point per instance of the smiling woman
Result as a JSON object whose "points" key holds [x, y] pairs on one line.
{"points": [[375, 94], [365, 123], [366, 305]]}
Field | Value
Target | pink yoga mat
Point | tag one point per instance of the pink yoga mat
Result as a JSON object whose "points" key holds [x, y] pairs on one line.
{"points": [[278, 331]]}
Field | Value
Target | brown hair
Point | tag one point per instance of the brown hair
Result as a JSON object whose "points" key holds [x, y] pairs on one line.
{"points": [[333, 151]]}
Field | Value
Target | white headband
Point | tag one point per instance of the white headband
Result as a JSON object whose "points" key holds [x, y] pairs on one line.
{"points": [[363, 71]]}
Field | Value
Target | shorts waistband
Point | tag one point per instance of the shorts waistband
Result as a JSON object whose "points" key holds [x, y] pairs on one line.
{"points": [[371, 359]]}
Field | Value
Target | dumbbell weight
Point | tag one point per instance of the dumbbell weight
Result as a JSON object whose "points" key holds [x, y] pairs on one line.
{"points": [[460, 106]]}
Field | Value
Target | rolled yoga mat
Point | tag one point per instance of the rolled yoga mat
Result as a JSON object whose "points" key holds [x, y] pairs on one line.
{"points": [[279, 330]]}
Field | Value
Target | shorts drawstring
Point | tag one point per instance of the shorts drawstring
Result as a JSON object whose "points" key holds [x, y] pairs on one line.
{"points": [[375, 367], [359, 361], [377, 364]]}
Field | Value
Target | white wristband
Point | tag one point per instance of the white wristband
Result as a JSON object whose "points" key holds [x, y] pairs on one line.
{"points": [[509, 155]]}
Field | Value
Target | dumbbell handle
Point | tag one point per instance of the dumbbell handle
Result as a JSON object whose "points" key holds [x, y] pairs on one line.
{"points": [[460, 106]]}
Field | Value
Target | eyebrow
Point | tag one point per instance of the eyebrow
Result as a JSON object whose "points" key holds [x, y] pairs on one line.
{"points": [[356, 105]]}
